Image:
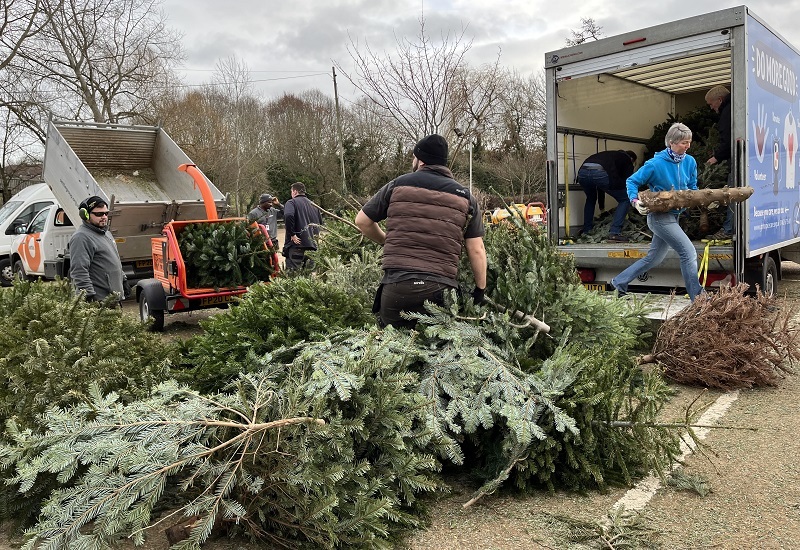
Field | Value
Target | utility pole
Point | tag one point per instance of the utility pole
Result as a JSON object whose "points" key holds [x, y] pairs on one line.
{"points": [[339, 130]]}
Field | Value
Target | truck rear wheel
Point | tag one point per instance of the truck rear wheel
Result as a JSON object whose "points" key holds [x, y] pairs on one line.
{"points": [[6, 273], [153, 316]]}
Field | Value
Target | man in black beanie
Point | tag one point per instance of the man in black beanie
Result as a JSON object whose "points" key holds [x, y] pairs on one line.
{"points": [[95, 267], [429, 217]]}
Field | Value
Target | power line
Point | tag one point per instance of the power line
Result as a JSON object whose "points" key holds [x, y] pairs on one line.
{"points": [[247, 81], [168, 86], [248, 70]]}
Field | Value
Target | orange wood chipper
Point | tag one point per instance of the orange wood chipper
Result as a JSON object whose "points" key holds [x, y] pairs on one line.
{"points": [[168, 292]]}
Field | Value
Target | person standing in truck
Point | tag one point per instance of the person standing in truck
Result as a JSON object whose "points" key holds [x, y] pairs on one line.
{"points": [[429, 217], [669, 170], [95, 267], [266, 213], [607, 171], [719, 99], [302, 220]]}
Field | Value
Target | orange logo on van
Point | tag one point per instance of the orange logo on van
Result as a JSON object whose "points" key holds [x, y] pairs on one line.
{"points": [[31, 252]]}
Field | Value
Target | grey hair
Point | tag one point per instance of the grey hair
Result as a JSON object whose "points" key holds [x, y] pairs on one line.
{"points": [[677, 132], [717, 92]]}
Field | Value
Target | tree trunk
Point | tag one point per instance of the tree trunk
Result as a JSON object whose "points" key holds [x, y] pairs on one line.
{"points": [[662, 201]]}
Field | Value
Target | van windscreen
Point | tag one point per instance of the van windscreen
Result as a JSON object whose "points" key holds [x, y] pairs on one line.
{"points": [[8, 208]]}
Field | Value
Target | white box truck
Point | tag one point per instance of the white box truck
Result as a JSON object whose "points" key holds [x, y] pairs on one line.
{"points": [[610, 93], [135, 169]]}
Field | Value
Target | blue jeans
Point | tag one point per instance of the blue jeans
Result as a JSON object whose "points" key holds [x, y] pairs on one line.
{"points": [[727, 225], [666, 234], [591, 181]]}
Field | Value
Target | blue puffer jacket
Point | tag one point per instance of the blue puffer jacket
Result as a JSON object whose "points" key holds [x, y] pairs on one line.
{"points": [[662, 173]]}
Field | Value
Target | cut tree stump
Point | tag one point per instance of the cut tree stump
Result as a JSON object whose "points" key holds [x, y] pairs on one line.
{"points": [[662, 201]]}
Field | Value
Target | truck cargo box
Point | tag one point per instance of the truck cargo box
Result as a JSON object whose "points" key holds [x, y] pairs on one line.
{"points": [[611, 93], [135, 169]]}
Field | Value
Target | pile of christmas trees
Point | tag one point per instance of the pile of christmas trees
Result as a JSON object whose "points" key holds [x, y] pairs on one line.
{"points": [[225, 254], [294, 419]]}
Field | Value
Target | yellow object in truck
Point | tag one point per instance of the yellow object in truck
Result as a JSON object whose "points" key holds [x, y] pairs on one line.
{"points": [[533, 213]]}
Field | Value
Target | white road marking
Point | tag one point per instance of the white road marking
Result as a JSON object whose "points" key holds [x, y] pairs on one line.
{"points": [[638, 497]]}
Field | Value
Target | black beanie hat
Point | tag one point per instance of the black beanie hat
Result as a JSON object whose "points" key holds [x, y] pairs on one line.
{"points": [[432, 150], [93, 202]]}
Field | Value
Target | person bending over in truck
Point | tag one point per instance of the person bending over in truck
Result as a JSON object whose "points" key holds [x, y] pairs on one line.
{"points": [[95, 267], [429, 217], [719, 99], [607, 171], [266, 213], [670, 169], [302, 220]]}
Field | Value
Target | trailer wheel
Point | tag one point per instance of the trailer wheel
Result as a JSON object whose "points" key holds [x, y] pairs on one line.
{"points": [[153, 316], [769, 283], [19, 271], [6, 273]]}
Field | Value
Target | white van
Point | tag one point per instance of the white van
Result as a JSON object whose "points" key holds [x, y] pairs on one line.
{"points": [[38, 247], [19, 211]]}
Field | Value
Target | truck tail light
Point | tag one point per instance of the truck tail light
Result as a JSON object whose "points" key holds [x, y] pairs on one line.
{"points": [[586, 275]]}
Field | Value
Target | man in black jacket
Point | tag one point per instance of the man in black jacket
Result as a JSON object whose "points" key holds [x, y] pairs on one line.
{"points": [[607, 171], [719, 99], [302, 220]]}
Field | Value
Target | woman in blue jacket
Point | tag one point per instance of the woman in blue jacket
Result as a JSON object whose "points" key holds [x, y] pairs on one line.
{"points": [[670, 169]]}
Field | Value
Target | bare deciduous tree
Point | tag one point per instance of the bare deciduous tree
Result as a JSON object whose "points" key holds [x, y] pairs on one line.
{"points": [[414, 86], [371, 148], [305, 138], [19, 21], [95, 59], [242, 120], [589, 30], [478, 93], [514, 160]]}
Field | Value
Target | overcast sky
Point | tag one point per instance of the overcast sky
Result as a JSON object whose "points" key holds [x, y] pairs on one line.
{"points": [[290, 46]]}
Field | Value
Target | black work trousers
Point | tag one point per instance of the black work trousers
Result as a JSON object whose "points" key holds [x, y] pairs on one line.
{"points": [[408, 296]]}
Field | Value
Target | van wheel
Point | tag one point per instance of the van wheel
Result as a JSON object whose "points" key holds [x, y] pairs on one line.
{"points": [[153, 316], [19, 271], [6, 273]]}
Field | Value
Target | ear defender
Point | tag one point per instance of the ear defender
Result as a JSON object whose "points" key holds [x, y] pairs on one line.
{"points": [[88, 205]]}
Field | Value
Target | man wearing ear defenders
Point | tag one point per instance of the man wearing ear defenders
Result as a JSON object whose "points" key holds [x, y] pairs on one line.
{"points": [[95, 267]]}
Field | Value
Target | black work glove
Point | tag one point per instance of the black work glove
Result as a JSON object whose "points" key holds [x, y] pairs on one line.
{"points": [[126, 289], [477, 295]]}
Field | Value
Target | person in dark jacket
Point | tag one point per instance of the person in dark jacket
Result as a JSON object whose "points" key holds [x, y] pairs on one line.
{"points": [[429, 218], [95, 267], [607, 172], [719, 99], [302, 220], [266, 213]]}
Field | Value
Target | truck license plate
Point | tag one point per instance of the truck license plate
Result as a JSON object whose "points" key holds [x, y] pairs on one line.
{"points": [[213, 300], [598, 287]]}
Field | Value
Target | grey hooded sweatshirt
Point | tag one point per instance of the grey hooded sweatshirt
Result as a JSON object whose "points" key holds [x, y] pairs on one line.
{"points": [[95, 267]]}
